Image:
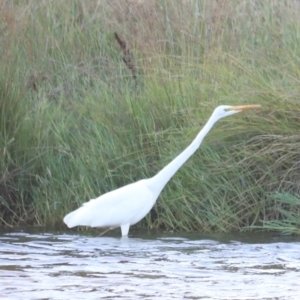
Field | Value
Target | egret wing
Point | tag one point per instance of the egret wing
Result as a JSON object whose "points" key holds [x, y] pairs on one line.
{"points": [[128, 204]]}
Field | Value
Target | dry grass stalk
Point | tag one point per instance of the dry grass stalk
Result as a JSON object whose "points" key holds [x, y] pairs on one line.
{"points": [[34, 78], [127, 57]]}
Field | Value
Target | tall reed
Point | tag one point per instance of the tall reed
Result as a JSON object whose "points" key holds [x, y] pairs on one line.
{"points": [[77, 121]]}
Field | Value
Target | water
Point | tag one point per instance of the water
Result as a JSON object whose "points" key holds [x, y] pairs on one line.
{"points": [[164, 266]]}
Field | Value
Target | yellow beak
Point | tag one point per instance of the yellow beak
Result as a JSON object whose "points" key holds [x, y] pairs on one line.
{"points": [[244, 107]]}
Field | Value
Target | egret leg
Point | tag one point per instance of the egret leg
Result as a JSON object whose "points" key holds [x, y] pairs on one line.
{"points": [[105, 231], [125, 229]]}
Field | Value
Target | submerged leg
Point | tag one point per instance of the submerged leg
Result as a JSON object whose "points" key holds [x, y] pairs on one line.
{"points": [[105, 231], [125, 229]]}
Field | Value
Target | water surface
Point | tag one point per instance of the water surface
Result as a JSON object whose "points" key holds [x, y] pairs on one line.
{"points": [[183, 266]]}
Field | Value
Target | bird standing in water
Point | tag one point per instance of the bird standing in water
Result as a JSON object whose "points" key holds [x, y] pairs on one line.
{"points": [[129, 204]]}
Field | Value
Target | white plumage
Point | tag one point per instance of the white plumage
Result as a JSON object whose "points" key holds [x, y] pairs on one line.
{"points": [[110, 209]]}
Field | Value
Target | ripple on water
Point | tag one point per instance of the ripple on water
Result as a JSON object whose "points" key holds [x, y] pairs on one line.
{"points": [[60, 266]]}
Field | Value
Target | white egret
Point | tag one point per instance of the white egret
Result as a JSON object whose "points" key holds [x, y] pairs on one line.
{"points": [[129, 204]]}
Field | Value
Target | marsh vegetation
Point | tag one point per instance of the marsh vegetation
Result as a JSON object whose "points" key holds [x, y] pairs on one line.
{"points": [[97, 94]]}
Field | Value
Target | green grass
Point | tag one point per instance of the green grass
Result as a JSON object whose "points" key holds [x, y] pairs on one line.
{"points": [[75, 123]]}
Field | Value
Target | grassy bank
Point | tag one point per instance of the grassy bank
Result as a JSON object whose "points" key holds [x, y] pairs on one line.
{"points": [[82, 114]]}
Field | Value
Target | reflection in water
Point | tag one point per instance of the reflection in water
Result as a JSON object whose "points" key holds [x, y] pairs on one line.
{"points": [[60, 266]]}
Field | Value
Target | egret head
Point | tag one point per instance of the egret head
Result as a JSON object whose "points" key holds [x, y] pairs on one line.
{"points": [[227, 110]]}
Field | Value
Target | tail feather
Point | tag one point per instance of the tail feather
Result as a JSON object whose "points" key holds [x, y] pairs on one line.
{"points": [[77, 217]]}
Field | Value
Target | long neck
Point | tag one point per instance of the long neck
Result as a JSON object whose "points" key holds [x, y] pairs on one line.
{"points": [[158, 182]]}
